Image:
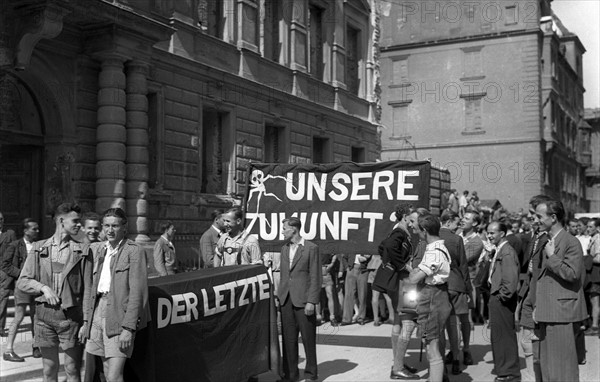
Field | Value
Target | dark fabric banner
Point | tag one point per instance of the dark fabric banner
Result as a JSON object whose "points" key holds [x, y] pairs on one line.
{"points": [[209, 325], [344, 207]]}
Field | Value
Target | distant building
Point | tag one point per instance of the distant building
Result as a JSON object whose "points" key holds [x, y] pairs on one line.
{"points": [[491, 90], [592, 173], [157, 106]]}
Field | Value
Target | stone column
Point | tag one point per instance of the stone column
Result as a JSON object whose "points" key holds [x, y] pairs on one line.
{"points": [[111, 135], [137, 151]]}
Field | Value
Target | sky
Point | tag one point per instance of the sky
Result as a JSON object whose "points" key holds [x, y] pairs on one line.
{"points": [[582, 17]]}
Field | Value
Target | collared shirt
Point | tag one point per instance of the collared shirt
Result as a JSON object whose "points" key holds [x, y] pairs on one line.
{"points": [[537, 238], [59, 257], [594, 246], [28, 246], [219, 232], [105, 275], [294, 249], [585, 243], [436, 263], [240, 249], [494, 260]]}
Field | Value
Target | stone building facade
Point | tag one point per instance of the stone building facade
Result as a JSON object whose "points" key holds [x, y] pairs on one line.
{"points": [[156, 106], [592, 173], [491, 90]]}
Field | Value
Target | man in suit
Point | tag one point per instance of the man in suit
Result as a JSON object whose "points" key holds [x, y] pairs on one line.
{"points": [[7, 284], [59, 272], [531, 267], [209, 240], [559, 296], [504, 282], [118, 305], [165, 260], [12, 262], [459, 291], [473, 249], [299, 293]]}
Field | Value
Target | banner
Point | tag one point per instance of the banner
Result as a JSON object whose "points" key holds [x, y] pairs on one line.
{"points": [[208, 325], [344, 207]]}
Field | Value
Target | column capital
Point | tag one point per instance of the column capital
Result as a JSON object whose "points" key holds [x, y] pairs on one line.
{"points": [[138, 65]]}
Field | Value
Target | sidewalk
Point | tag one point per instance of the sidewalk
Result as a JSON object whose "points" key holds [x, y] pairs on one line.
{"points": [[348, 353]]}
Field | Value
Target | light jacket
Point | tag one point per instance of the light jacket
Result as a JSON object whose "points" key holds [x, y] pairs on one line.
{"points": [[127, 305], [76, 275]]}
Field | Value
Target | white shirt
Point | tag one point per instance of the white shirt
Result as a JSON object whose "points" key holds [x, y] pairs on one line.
{"points": [[105, 276], [435, 264], [294, 249], [585, 243], [494, 261], [28, 245]]}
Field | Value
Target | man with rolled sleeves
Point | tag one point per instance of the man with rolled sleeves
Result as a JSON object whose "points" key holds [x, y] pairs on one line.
{"points": [[59, 272], [459, 292], [299, 293], [559, 296]]}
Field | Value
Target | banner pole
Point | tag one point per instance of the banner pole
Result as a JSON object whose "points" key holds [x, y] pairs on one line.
{"points": [[247, 193]]}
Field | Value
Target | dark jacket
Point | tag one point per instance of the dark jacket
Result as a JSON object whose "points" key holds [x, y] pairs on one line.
{"points": [[14, 258], [459, 280], [396, 248], [505, 273]]}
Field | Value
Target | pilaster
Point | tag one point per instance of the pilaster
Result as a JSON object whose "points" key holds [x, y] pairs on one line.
{"points": [[111, 134], [138, 156]]}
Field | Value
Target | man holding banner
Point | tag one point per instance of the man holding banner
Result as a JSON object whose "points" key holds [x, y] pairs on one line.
{"points": [[298, 294]]}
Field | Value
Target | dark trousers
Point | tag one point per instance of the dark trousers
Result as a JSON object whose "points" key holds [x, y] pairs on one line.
{"points": [[356, 282], [558, 353], [5, 292], [293, 322], [579, 341], [505, 349]]}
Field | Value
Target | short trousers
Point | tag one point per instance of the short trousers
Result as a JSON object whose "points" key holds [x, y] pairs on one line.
{"points": [[327, 278], [594, 289], [459, 302], [22, 297], [433, 309], [55, 326], [99, 343]]}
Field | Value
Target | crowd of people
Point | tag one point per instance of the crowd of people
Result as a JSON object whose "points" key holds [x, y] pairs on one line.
{"points": [[534, 272]]}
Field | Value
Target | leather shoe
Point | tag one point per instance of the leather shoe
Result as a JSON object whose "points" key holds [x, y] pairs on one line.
{"points": [[346, 323], [361, 321], [3, 333], [593, 331], [456, 367], [37, 353], [411, 369], [449, 358], [508, 378], [402, 374], [467, 359], [377, 323], [11, 356]]}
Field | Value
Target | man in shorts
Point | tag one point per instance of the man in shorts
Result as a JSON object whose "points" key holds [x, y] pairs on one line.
{"points": [[12, 262], [118, 304], [459, 290], [59, 272]]}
